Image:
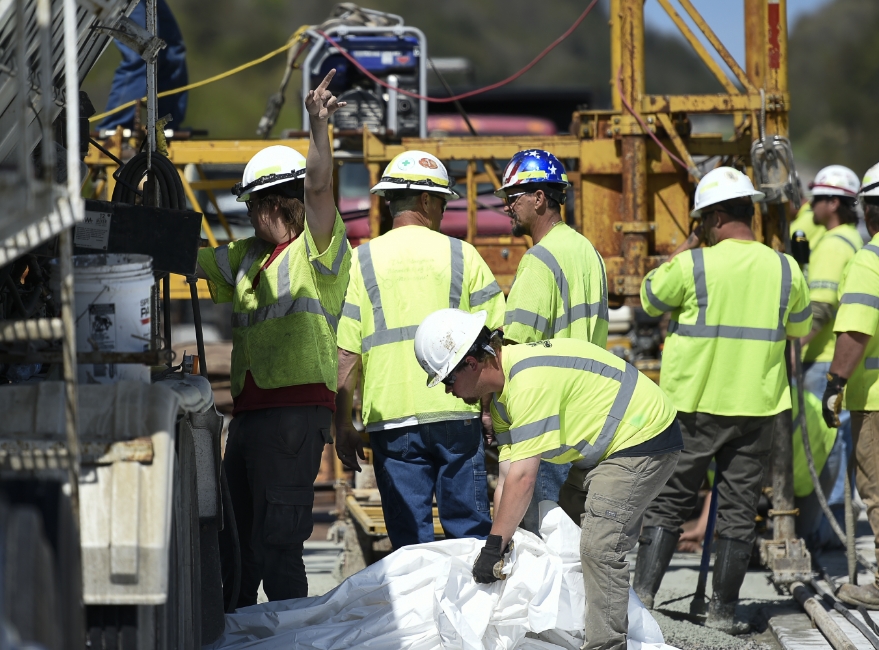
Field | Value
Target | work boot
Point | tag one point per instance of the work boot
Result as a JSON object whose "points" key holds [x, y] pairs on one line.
{"points": [[655, 548], [867, 595], [730, 567]]}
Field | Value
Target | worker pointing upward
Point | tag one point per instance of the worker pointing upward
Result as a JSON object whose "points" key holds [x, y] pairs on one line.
{"points": [[286, 285], [732, 306], [560, 289], [424, 443]]}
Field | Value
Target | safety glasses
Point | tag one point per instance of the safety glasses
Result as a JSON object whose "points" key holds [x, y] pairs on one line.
{"points": [[511, 199]]}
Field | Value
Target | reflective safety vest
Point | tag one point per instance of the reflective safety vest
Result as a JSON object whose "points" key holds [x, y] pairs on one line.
{"points": [[560, 291], [859, 312], [284, 330], [826, 265], [732, 306], [569, 401], [397, 280]]}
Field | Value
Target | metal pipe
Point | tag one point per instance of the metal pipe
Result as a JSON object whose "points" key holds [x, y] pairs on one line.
{"points": [[65, 244], [698, 605], [166, 311], [832, 601], [21, 71], [821, 618], [44, 23], [151, 90], [850, 549]]}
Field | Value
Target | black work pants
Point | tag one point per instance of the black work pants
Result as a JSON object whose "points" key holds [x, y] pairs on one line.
{"points": [[741, 446], [272, 459]]}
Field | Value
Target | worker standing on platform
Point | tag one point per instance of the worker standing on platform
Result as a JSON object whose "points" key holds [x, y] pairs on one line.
{"points": [[855, 369], [733, 305], [563, 401], [286, 286], [834, 199], [560, 289], [424, 443]]}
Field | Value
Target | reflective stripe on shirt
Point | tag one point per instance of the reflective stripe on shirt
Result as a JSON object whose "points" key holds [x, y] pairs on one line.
{"points": [[286, 304], [701, 330], [591, 453], [221, 255], [569, 315], [384, 336]]}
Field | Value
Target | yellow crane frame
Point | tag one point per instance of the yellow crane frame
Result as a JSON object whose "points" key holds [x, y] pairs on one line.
{"points": [[631, 200]]}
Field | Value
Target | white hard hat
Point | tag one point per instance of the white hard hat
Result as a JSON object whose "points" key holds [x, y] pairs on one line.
{"points": [[271, 166], [723, 184], [415, 170], [443, 339], [835, 180], [870, 186]]}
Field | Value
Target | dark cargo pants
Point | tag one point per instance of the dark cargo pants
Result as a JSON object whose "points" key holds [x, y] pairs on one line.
{"points": [[271, 462], [609, 502], [741, 446]]}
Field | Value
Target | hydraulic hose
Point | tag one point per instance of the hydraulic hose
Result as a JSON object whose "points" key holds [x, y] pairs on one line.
{"points": [[164, 174]]}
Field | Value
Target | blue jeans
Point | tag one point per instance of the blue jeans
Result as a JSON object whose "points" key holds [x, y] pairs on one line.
{"points": [[550, 478], [812, 525], [444, 458]]}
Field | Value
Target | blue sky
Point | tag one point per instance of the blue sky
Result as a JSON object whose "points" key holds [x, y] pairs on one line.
{"points": [[726, 18]]}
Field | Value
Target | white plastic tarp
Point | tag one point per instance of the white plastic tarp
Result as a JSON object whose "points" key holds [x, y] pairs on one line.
{"points": [[424, 597]]}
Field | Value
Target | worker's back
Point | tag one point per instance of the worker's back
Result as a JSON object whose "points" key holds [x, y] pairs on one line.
{"points": [[560, 291], [733, 305], [397, 280]]}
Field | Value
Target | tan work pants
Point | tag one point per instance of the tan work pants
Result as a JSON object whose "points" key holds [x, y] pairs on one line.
{"points": [[865, 436], [609, 501]]}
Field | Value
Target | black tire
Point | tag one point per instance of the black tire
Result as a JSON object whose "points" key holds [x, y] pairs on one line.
{"points": [[31, 587]]}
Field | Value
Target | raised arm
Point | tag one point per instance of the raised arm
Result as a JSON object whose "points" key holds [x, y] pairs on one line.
{"points": [[320, 208]]}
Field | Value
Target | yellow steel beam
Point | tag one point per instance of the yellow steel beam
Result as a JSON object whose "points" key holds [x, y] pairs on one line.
{"points": [[777, 102], [471, 201], [696, 44], [225, 152], [213, 199], [209, 233], [672, 133], [718, 45]]}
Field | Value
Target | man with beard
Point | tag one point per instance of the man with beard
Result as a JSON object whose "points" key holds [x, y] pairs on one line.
{"points": [[732, 306], [560, 289]]}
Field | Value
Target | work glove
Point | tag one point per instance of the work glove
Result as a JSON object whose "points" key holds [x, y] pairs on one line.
{"points": [[488, 565], [831, 403]]}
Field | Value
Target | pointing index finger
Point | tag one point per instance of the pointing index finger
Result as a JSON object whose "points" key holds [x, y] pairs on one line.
{"points": [[326, 82]]}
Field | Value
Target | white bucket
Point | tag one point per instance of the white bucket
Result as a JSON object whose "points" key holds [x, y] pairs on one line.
{"points": [[112, 313]]}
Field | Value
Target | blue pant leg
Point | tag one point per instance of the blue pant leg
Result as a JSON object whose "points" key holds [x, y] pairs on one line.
{"points": [[405, 474], [461, 488], [550, 478]]}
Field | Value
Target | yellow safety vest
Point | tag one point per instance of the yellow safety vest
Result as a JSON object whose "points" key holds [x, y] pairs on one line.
{"points": [[560, 291], [397, 280], [732, 306], [284, 331], [859, 312], [569, 401]]}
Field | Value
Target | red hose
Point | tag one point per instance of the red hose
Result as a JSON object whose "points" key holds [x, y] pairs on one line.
{"points": [[471, 93]]}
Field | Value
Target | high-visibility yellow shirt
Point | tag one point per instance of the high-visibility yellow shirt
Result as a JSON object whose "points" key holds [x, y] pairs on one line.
{"points": [[560, 291], [821, 440], [397, 280], [859, 312], [826, 265], [805, 221], [732, 306], [569, 401], [284, 331]]}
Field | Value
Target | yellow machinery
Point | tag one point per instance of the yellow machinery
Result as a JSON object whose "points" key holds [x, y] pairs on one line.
{"points": [[632, 198]]}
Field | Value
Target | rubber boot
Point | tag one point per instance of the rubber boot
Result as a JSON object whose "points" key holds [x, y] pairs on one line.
{"points": [[730, 567], [655, 549]]}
